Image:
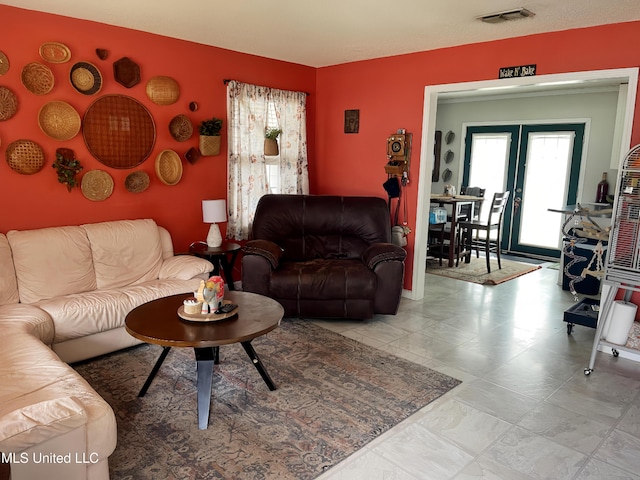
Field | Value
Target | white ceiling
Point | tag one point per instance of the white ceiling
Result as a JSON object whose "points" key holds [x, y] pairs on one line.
{"points": [[329, 32]]}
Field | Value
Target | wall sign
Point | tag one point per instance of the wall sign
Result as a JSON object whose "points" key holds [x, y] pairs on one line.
{"points": [[520, 71]]}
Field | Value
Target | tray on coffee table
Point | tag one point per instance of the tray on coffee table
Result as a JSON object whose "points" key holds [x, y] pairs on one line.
{"points": [[206, 317]]}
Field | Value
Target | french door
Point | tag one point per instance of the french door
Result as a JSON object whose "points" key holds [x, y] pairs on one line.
{"points": [[540, 166]]}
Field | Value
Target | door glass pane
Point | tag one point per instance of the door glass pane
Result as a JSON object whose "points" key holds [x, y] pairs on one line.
{"points": [[545, 186], [489, 161]]}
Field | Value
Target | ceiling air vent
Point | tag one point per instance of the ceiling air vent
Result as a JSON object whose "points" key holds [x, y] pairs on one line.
{"points": [[507, 15]]}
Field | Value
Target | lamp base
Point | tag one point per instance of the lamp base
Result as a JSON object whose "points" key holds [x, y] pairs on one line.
{"points": [[214, 238]]}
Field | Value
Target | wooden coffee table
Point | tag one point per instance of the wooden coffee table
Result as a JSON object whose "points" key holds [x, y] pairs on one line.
{"points": [[158, 322]]}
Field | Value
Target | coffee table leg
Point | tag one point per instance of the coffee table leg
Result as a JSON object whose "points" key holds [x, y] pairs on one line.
{"points": [[154, 371], [205, 358], [258, 364]]}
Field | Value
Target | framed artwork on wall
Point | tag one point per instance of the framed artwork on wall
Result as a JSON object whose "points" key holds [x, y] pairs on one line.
{"points": [[351, 121]]}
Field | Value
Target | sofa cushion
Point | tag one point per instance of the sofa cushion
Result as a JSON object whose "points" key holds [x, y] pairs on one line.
{"points": [[51, 262], [38, 422], [125, 252], [92, 312], [184, 267], [323, 279], [8, 284]]}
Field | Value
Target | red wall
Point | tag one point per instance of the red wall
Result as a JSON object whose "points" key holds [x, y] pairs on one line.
{"points": [[390, 95], [33, 201]]}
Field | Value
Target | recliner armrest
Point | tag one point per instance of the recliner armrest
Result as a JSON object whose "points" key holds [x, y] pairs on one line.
{"points": [[382, 252], [266, 249]]}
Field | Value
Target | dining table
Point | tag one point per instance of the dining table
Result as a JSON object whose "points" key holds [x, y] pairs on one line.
{"points": [[456, 202]]}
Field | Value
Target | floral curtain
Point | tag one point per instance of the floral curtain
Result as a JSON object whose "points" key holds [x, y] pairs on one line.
{"points": [[247, 107]]}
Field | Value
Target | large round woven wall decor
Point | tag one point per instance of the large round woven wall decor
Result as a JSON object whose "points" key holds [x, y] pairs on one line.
{"points": [[163, 90], [119, 131], [25, 157]]}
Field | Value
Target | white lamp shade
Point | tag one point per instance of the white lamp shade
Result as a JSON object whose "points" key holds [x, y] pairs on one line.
{"points": [[214, 211]]}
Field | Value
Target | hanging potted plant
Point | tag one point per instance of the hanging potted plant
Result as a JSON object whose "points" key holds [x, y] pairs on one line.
{"points": [[67, 167], [271, 141], [210, 136]]}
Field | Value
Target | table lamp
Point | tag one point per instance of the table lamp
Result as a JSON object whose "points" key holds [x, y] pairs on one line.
{"points": [[214, 212]]}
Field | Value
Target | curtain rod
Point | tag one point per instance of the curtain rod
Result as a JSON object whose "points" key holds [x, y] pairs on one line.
{"points": [[227, 80]]}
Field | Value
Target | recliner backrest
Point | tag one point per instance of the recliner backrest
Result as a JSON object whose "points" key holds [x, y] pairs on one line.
{"points": [[321, 226]]}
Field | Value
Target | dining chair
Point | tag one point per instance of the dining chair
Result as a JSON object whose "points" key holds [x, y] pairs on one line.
{"points": [[469, 237], [477, 208]]}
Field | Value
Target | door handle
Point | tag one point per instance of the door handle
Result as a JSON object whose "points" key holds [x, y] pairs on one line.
{"points": [[516, 204]]}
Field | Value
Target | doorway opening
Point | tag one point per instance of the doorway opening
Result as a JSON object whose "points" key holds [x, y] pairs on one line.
{"points": [[628, 76]]}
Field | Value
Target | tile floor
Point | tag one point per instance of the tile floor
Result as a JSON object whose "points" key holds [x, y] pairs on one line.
{"points": [[525, 409]]}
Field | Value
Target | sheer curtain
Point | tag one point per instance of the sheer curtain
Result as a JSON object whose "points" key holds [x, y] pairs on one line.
{"points": [[247, 107]]}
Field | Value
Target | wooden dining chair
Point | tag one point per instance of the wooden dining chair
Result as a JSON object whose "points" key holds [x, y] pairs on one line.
{"points": [[468, 234]]}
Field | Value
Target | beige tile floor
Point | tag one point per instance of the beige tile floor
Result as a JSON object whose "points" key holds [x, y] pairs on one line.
{"points": [[525, 409]]}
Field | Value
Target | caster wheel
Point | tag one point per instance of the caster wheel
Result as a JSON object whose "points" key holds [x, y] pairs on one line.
{"points": [[587, 371], [569, 328], [615, 352]]}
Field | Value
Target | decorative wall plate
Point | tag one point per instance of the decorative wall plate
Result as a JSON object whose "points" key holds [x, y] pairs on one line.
{"points": [[86, 78], [54, 52], [119, 131], [449, 137], [37, 78], [8, 104], [25, 157], [97, 185], [59, 120], [448, 156]]}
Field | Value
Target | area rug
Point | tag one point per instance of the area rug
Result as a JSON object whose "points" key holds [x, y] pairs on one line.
{"points": [[476, 270], [334, 396]]}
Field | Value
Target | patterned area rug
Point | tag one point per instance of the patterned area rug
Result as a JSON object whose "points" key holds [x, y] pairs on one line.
{"points": [[334, 396], [476, 270]]}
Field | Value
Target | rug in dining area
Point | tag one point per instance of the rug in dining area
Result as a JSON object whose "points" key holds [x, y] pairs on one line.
{"points": [[334, 396], [476, 270]]}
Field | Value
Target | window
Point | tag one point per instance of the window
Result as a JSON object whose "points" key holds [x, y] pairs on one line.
{"points": [[272, 164], [250, 110]]}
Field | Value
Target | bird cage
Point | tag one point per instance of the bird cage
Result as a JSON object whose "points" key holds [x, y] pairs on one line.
{"points": [[624, 247]]}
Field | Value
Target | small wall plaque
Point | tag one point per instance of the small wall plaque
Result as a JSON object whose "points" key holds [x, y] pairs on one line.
{"points": [[351, 121], [520, 71]]}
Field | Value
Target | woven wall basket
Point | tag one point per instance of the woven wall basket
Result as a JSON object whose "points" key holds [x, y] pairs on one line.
{"points": [[209, 145], [4, 63], [181, 128], [25, 157], [163, 90], [8, 104], [119, 131], [97, 185], [137, 182], [169, 167], [37, 78], [59, 120]]}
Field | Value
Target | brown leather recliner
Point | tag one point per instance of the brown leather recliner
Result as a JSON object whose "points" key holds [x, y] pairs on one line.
{"points": [[324, 256]]}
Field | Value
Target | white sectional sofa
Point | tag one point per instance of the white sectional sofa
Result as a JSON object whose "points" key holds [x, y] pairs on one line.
{"points": [[64, 295]]}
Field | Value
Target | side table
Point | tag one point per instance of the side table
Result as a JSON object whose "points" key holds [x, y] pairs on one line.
{"points": [[222, 257]]}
